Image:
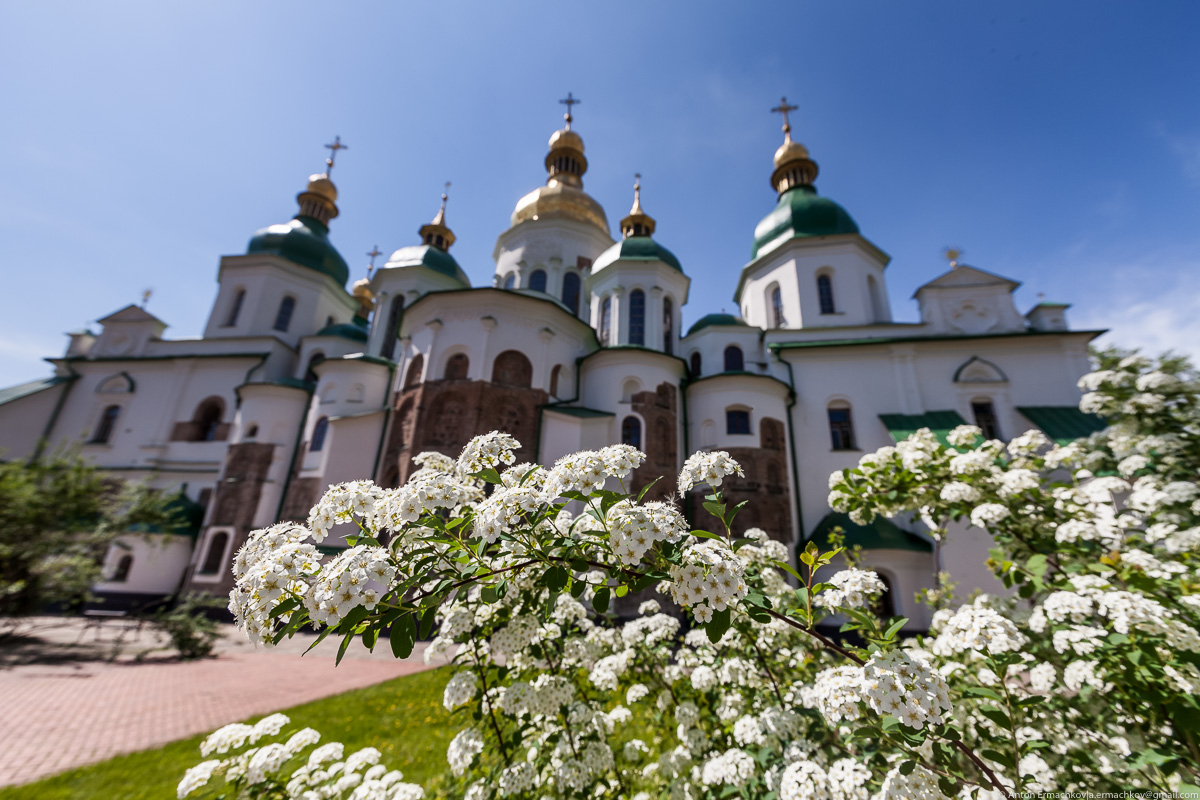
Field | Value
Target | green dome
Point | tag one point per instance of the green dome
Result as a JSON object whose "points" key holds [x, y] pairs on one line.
{"points": [[347, 330], [636, 248], [801, 212], [303, 241], [716, 319], [426, 255]]}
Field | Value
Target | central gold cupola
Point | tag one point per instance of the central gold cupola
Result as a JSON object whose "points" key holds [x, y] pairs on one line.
{"points": [[563, 197]]}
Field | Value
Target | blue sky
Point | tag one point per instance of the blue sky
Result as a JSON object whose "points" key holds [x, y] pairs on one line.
{"points": [[1058, 144]]}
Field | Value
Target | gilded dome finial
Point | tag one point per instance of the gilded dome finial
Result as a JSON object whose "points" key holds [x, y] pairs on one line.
{"points": [[793, 167], [638, 222], [568, 102], [437, 233], [953, 254], [375, 253], [319, 199], [333, 151], [565, 162]]}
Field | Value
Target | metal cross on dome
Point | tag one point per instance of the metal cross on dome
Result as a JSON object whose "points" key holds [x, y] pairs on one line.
{"points": [[333, 151], [784, 108], [375, 253], [568, 102]]}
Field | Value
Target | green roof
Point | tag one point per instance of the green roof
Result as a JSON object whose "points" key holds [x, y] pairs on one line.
{"points": [[347, 330], [901, 426], [881, 534], [579, 411], [25, 389], [636, 248], [304, 241], [709, 320], [949, 337], [801, 213], [1063, 424], [427, 255]]}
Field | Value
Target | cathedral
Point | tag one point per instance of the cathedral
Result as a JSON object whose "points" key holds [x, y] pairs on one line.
{"points": [[298, 383]]}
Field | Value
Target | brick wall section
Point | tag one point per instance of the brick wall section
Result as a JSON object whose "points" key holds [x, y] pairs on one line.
{"points": [[235, 500], [660, 441], [444, 415]]}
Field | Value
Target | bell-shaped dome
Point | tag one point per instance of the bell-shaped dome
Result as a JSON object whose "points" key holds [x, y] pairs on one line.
{"points": [[800, 213], [303, 241]]}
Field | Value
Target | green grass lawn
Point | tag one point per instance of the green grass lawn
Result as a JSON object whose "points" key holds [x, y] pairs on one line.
{"points": [[403, 717]]}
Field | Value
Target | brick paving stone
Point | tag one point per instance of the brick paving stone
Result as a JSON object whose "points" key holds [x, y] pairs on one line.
{"points": [[55, 716]]}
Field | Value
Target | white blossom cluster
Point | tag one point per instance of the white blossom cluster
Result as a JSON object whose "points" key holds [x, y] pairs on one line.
{"points": [[852, 588], [273, 562], [906, 688], [634, 529], [975, 628], [707, 467], [350, 580], [709, 579]]}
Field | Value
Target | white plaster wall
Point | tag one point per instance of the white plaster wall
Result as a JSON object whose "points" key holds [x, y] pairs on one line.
{"points": [[611, 377], [553, 245], [710, 342], [159, 561], [23, 422], [657, 280], [409, 282], [278, 411]]}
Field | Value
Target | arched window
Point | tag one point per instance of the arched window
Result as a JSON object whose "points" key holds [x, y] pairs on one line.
{"points": [[252, 431], [537, 281], [310, 373], [206, 422], [121, 573], [512, 368], [215, 554], [696, 364], [668, 326], [737, 421], [318, 436], [885, 604], [825, 294], [841, 427], [284, 317], [776, 308], [733, 359], [985, 418], [392, 331], [106, 425], [413, 376], [637, 317], [510, 280], [570, 292], [554, 375], [631, 432], [605, 320], [235, 309], [457, 367]]}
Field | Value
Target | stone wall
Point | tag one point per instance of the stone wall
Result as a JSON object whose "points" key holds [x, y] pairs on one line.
{"points": [[660, 441]]}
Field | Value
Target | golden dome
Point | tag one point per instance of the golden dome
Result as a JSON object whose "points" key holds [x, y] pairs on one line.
{"points": [[558, 200], [790, 151], [566, 138], [321, 185], [362, 293]]}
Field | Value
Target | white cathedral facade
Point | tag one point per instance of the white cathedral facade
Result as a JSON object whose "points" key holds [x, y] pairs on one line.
{"points": [[298, 383]]}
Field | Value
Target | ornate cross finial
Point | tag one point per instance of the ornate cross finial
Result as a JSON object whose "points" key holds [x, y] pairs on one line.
{"points": [[375, 253], [146, 293], [953, 254], [568, 102], [637, 185], [333, 151], [784, 108], [445, 192]]}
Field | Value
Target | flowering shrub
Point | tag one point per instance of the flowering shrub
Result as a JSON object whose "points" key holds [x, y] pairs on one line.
{"points": [[1086, 678]]}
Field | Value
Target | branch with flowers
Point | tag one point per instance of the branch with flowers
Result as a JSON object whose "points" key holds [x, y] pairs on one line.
{"points": [[736, 682]]}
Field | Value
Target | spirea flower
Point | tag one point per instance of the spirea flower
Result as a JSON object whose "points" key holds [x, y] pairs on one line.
{"points": [[710, 467], [852, 588]]}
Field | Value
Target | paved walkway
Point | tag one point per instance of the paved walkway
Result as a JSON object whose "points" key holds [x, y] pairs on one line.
{"points": [[60, 712]]}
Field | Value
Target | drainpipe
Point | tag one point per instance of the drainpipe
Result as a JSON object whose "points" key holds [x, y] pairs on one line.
{"points": [[62, 400], [792, 445]]}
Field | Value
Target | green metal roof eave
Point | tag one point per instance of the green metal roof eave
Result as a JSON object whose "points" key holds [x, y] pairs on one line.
{"points": [[32, 387], [169, 357], [1091, 334], [901, 426], [580, 411], [1063, 424], [881, 534]]}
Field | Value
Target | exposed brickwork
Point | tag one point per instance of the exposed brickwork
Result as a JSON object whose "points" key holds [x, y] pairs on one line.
{"points": [[443, 415], [765, 486], [302, 495], [660, 441]]}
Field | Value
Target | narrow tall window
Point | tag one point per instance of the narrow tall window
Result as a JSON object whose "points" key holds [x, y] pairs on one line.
{"points": [[631, 432], [537, 281], [733, 359], [985, 418], [215, 555], [207, 420], [284, 318], [637, 317], [510, 281], [841, 428], [825, 294], [235, 309], [392, 331], [737, 421], [318, 437], [415, 368], [696, 362], [554, 375], [457, 367], [570, 292], [310, 372], [106, 425], [605, 320], [121, 574], [668, 326], [776, 308]]}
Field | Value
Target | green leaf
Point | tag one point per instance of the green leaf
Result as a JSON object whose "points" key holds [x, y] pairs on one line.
{"points": [[783, 565], [714, 508], [1000, 758], [718, 625], [707, 535], [895, 627], [489, 475], [351, 620], [622, 590], [557, 577], [284, 607], [427, 620], [403, 636], [578, 588], [342, 649], [579, 565], [600, 600], [983, 691], [996, 715]]}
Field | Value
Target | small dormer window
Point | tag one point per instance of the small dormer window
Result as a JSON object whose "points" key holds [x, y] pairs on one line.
{"points": [[438, 242]]}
